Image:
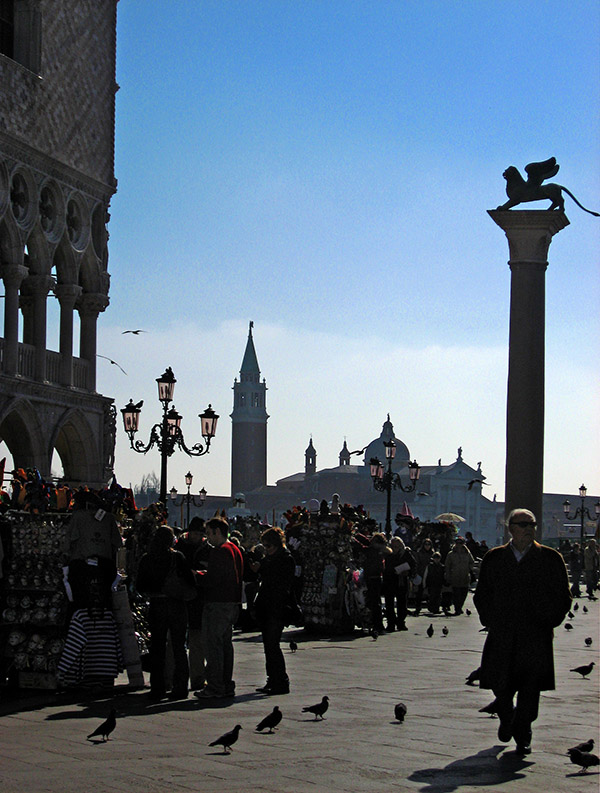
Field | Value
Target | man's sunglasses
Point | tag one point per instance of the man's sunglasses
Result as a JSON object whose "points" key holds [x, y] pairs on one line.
{"points": [[523, 524]]}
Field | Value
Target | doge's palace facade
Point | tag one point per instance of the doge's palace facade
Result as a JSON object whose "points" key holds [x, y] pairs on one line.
{"points": [[57, 120]]}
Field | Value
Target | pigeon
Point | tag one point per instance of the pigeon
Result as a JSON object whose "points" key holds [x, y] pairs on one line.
{"points": [[584, 759], [491, 708], [319, 709], [575, 606], [400, 711], [585, 609], [114, 363], [586, 746], [271, 721], [430, 630], [106, 727], [570, 615], [473, 677], [568, 626], [228, 739], [293, 646], [135, 332], [588, 641], [374, 634], [584, 670], [484, 629], [468, 612], [445, 631]]}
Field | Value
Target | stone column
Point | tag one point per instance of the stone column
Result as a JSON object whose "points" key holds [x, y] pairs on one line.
{"points": [[67, 295], [529, 234], [34, 302], [89, 306], [13, 276]]}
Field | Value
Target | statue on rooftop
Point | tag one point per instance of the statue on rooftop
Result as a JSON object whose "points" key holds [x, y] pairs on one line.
{"points": [[520, 191]]}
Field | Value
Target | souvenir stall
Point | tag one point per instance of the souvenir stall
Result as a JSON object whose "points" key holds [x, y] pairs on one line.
{"points": [[33, 604]]}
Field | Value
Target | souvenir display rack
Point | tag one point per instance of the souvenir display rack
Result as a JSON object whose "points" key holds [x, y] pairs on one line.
{"points": [[33, 602]]}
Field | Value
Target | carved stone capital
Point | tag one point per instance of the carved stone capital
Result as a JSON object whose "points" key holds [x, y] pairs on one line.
{"points": [[92, 303], [13, 275], [37, 285], [529, 232], [67, 294]]}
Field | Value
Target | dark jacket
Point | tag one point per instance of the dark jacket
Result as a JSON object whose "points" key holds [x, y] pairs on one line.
{"points": [[222, 581], [521, 603], [153, 569], [276, 582], [393, 580]]}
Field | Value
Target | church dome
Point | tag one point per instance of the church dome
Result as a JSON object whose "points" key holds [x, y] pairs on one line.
{"points": [[377, 449]]}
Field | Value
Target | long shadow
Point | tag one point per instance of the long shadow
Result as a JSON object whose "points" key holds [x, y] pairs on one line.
{"points": [[482, 769]]}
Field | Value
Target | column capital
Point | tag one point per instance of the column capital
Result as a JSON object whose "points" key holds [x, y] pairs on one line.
{"points": [[529, 232], [67, 294], [38, 284], [92, 303], [13, 274]]}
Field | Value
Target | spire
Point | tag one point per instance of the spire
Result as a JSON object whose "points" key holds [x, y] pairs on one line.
{"points": [[250, 362]]}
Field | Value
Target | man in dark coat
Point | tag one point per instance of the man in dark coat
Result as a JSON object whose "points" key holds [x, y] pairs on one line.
{"points": [[521, 596]]}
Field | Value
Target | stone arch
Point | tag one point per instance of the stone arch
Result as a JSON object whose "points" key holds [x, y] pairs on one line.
{"points": [[22, 432], [75, 443]]}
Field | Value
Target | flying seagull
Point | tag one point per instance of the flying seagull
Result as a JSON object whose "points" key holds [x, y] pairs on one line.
{"points": [[114, 363], [106, 727], [476, 482], [135, 332], [228, 739]]}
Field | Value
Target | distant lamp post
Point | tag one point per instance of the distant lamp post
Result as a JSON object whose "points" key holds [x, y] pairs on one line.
{"points": [[188, 498], [385, 481], [167, 435], [582, 511]]}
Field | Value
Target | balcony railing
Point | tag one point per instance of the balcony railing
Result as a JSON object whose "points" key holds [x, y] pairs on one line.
{"points": [[26, 365]]}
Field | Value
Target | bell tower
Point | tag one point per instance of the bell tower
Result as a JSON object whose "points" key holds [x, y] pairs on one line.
{"points": [[249, 425]]}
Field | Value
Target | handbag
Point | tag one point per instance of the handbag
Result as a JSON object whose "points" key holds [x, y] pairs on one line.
{"points": [[175, 586]]}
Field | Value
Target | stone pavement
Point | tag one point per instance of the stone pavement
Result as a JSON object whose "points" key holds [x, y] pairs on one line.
{"points": [[444, 745]]}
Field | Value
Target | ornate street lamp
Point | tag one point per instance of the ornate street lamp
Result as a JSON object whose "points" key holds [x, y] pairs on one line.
{"points": [[581, 511], [167, 435], [385, 481], [188, 498]]}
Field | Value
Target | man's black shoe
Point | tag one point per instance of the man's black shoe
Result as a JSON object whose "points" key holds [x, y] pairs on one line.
{"points": [[505, 730], [523, 749], [264, 689]]}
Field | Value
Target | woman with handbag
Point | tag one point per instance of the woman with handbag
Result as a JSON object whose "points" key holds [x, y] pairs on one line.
{"points": [[272, 604], [166, 578]]}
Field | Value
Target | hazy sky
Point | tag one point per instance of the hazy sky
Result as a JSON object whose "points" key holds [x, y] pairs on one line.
{"points": [[324, 168]]}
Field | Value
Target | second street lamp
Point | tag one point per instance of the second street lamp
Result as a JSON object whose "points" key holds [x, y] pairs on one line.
{"points": [[385, 481], [188, 498], [167, 436], [581, 511]]}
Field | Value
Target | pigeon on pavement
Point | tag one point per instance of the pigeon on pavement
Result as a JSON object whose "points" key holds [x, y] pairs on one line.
{"points": [[568, 626], [584, 759], [468, 612], [106, 727], [400, 711], [445, 631], [575, 606], [430, 630], [583, 670], [293, 646], [570, 615], [271, 721], [492, 708], [319, 709], [473, 677], [586, 746], [228, 739], [585, 609], [588, 641]]}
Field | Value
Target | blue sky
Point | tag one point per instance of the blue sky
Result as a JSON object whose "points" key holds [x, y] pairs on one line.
{"points": [[324, 169]]}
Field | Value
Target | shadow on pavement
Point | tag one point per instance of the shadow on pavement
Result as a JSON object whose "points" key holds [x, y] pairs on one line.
{"points": [[481, 769]]}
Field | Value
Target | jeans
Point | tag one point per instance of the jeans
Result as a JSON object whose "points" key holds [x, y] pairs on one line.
{"points": [[218, 620], [395, 604], [167, 615]]}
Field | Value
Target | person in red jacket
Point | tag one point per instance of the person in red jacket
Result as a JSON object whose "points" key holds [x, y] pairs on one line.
{"points": [[222, 586]]}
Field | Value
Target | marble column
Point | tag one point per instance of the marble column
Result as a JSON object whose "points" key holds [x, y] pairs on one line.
{"points": [[67, 295], [34, 307], [529, 234], [89, 306], [13, 276]]}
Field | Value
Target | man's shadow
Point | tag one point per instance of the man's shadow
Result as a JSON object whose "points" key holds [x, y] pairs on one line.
{"points": [[487, 767]]}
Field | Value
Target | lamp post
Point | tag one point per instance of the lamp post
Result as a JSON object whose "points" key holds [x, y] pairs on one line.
{"points": [[387, 480], [188, 498], [581, 511], [167, 435]]}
